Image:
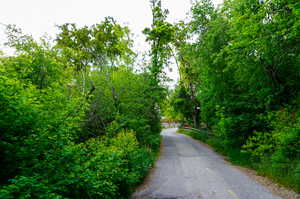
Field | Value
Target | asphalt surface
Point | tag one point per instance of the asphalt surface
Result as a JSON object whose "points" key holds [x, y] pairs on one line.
{"points": [[186, 169]]}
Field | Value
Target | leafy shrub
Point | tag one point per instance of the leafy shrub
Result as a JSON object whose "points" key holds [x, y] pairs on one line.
{"points": [[98, 168], [282, 141], [62, 124], [278, 150]]}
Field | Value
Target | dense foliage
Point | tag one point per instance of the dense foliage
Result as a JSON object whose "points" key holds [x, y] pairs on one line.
{"points": [[76, 120], [244, 60]]}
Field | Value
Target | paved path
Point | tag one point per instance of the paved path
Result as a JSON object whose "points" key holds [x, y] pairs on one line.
{"points": [[187, 169]]}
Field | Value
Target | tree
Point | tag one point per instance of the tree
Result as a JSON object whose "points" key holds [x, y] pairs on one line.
{"points": [[160, 35], [63, 139], [243, 61], [95, 48]]}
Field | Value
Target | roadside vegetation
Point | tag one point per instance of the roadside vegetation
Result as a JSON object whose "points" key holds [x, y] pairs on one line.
{"points": [[80, 119], [240, 71], [77, 120]]}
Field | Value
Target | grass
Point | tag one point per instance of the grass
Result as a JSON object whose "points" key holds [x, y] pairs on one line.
{"points": [[286, 174]]}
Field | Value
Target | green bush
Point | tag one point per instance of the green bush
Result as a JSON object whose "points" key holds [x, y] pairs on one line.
{"points": [[41, 156], [278, 150], [59, 141], [34, 122], [98, 168]]}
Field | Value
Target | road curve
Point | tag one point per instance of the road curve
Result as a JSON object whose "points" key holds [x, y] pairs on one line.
{"points": [[187, 169]]}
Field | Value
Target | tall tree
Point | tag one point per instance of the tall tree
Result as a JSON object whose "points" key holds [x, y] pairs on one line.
{"points": [[159, 36], [101, 46]]}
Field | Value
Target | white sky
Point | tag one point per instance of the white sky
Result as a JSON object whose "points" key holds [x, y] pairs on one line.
{"points": [[38, 17]]}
